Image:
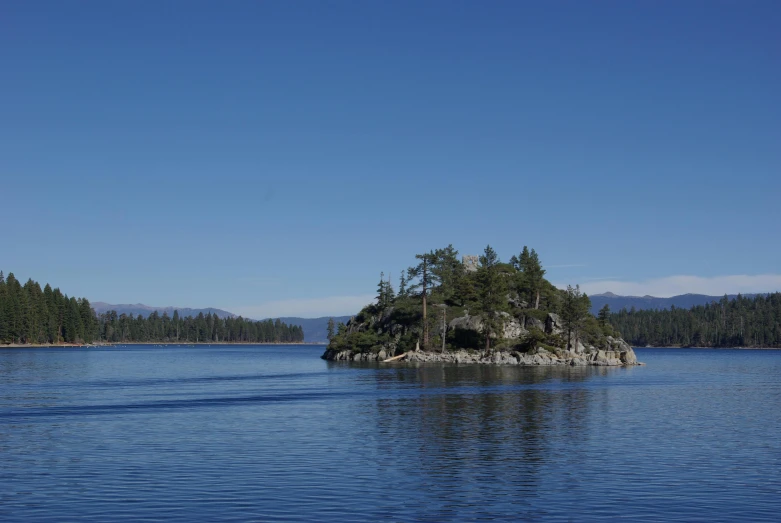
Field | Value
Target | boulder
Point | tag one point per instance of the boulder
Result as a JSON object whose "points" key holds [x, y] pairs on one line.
{"points": [[511, 327], [511, 330], [578, 348], [534, 323], [472, 323]]}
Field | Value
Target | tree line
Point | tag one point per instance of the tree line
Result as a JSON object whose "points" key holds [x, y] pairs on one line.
{"points": [[31, 315], [740, 322]]}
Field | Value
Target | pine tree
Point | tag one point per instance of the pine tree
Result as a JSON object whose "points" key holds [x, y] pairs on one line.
{"points": [[402, 286], [177, 324], [575, 311], [331, 328], [382, 293], [492, 289], [422, 272], [604, 315], [531, 275]]}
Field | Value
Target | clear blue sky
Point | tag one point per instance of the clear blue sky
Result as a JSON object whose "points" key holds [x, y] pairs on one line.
{"points": [[242, 154]]}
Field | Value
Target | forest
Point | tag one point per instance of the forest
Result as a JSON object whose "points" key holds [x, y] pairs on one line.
{"points": [[31, 315], [482, 295], [740, 322]]}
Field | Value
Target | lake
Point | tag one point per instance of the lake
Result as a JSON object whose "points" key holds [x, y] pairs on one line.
{"points": [[270, 433]]}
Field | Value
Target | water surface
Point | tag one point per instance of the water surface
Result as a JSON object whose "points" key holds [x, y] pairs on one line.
{"points": [[242, 433]]}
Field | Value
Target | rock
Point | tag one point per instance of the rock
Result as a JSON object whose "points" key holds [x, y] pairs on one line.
{"points": [[577, 349], [511, 328], [541, 357], [534, 323], [473, 323], [628, 357], [553, 324]]}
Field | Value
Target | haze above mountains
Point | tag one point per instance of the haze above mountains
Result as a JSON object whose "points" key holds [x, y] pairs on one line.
{"points": [[315, 329]]}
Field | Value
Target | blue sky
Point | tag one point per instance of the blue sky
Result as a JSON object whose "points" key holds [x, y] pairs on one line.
{"points": [[271, 158]]}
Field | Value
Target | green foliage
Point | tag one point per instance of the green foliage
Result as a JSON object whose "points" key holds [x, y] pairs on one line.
{"points": [[492, 292], [331, 329], [535, 339], [356, 340], [574, 312], [29, 315], [530, 277], [740, 322], [385, 294], [535, 313]]}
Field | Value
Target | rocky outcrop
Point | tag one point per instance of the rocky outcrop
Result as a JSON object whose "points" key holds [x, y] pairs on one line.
{"points": [[534, 323], [553, 324], [511, 327], [542, 356]]}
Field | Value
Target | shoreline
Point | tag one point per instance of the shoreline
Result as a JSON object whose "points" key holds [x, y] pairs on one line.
{"points": [[179, 343], [540, 357], [711, 348]]}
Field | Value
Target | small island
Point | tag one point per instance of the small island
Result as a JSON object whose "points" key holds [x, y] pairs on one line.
{"points": [[478, 310]]}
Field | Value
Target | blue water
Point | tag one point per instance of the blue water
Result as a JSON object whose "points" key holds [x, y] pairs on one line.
{"points": [[244, 433]]}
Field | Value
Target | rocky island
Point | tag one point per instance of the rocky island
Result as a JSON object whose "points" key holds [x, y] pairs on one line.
{"points": [[478, 310]]}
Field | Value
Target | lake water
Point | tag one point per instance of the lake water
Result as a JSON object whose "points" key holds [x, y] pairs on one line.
{"points": [[243, 433]]}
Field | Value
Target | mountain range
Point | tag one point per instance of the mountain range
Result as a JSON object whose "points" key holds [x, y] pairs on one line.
{"points": [[145, 310], [683, 301]]}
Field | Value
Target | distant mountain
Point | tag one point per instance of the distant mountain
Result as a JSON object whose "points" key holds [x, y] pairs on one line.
{"points": [[315, 329], [146, 310], [684, 301]]}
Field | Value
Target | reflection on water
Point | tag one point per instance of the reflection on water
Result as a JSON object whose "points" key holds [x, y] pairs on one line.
{"points": [[486, 430], [275, 433]]}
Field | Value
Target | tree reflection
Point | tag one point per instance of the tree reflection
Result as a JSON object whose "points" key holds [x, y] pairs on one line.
{"points": [[464, 428]]}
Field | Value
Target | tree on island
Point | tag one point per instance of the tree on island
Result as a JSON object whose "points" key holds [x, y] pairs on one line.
{"points": [[531, 274], [331, 329], [492, 288], [574, 313], [422, 273]]}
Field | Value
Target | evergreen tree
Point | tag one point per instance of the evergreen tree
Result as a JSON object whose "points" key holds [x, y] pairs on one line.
{"points": [[421, 273], [575, 311], [604, 315], [402, 286], [331, 328], [492, 290], [446, 272], [529, 280]]}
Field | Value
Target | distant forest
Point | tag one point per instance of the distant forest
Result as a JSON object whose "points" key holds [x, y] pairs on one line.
{"points": [[740, 322], [31, 315]]}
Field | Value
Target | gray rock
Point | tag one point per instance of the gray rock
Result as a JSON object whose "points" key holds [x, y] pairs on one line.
{"points": [[534, 323], [553, 324], [473, 323]]}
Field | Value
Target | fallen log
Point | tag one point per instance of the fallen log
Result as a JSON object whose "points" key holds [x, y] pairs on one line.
{"points": [[395, 358]]}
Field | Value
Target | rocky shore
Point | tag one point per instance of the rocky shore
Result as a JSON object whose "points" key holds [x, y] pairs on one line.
{"points": [[620, 354]]}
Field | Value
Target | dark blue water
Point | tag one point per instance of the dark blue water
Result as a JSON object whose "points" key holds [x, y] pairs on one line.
{"points": [[274, 433]]}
